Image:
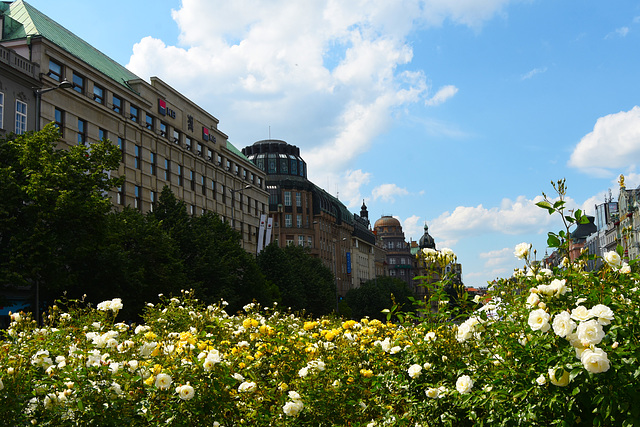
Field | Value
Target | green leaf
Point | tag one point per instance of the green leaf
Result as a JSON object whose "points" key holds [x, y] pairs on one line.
{"points": [[553, 241], [546, 205]]}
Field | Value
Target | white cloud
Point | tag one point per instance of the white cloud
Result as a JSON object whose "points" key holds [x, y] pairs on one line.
{"points": [[613, 144], [512, 217], [533, 72], [388, 192], [412, 228], [619, 32], [322, 75], [442, 95], [497, 257], [350, 193]]}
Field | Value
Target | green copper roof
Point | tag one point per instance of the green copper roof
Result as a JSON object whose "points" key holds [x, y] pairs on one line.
{"points": [[232, 148], [32, 22]]}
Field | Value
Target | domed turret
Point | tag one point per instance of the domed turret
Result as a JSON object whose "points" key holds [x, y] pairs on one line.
{"points": [[426, 241]]}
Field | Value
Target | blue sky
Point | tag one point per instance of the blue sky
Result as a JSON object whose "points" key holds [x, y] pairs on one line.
{"points": [[454, 112]]}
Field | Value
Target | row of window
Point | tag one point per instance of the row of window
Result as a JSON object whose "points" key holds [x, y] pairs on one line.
{"points": [[403, 261], [290, 240], [288, 221], [21, 115], [153, 197], [56, 72]]}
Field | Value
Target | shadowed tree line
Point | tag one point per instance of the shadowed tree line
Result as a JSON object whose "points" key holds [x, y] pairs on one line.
{"points": [[60, 235]]}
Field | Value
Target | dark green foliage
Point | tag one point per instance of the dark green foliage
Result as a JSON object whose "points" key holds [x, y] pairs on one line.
{"points": [[304, 282], [376, 295], [53, 209]]}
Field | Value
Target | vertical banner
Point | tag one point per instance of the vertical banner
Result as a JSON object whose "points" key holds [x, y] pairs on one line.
{"points": [[267, 239], [348, 262], [263, 219]]}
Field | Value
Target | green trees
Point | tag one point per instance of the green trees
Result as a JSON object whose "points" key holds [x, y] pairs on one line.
{"points": [[59, 235], [53, 209], [374, 296], [304, 282]]}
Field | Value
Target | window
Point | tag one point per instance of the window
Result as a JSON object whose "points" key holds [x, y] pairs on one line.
{"points": [[192, 209], [21, 117], [98, 94], [300, 240], [55, 70], [228, 165], [299, 221], [134, 113], [192, 179], [219, 160], [78, 82], [167, 169], [213, 189], [82, 131], [176, 137], [288, 220], [137, 202], [392, 260], [152, 163], [137, 161], [310, 241], [117, 104], [1, 110], [299, 200], [102, 134], [237, 169], [120, 195], [203, 182], [200, 148], [152, 197], [121, 147], [287, 198], [163, 129], [187, 143], [180, 177], [209, 154], [59, 120], [149, 119]]}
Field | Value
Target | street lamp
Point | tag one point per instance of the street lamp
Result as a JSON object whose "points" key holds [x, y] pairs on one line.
{"points": [[65, 84]]}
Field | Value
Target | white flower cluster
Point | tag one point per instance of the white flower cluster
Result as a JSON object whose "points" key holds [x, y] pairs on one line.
{"points": [[112, 305], [294, 407], [522, 250], [211, 358], [471, 326], [444, 256], [247, 387], [387, 347], [583, 336], [313, 366]]}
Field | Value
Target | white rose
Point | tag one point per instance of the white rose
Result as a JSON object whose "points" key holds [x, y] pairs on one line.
{"points": [[539, 320], [562, 381], [625, 269], [465, 331], [590, 332], [464, 384], [613, 259], [163, 381], [541, 380], [292, 409], [581, 314], [563, 325], [414, 371], [603, 313], [186, 392], [595, 361], [247, 387], [533, 300], [522, 250], [559, 287], [432, 392]]}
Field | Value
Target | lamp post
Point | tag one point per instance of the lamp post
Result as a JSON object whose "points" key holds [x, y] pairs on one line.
{"points": [[65, 84], [233, 206]]}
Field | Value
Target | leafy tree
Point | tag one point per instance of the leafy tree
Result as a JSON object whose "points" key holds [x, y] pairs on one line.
{"points": [[53, 207], [215, 264], [375, 295], [304, 282]]}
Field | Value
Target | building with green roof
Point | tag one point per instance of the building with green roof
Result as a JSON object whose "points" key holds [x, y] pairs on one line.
{"points": [[166, 139]]}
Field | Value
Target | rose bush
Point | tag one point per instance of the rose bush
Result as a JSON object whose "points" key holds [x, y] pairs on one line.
{"points": [[552, 345]]}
